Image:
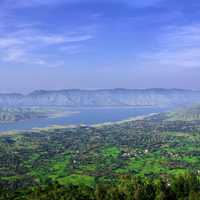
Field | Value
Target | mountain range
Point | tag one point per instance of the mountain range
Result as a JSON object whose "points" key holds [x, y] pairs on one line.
{"points": [[103, 97]]}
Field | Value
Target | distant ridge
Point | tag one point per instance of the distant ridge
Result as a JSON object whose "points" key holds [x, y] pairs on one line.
{"points": [[97, 90], [103, 97]]}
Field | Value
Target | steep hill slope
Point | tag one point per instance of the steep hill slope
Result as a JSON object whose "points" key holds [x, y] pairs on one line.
{"points": [[115, 97]]}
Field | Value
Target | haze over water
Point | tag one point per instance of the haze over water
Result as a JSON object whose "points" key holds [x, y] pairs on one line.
{"points": [[85, 116]]}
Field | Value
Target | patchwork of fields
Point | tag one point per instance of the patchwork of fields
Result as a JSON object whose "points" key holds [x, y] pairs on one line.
{"points": [[150, 147]]}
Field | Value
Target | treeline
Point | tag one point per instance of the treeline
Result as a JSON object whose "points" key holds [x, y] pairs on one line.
{"points": [[184, 187]]}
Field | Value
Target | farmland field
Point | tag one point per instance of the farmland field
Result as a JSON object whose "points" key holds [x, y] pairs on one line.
{"points": [[151, 147]]}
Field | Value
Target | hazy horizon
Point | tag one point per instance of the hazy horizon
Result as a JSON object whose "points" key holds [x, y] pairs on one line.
{"points": [[92, 44], [93, 89]]}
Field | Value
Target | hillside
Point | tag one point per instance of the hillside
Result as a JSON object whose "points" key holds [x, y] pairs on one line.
{"points": [[186, 114], [115, 97]]}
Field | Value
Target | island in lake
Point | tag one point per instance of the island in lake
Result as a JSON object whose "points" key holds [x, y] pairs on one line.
{"points": [[15, 114]]}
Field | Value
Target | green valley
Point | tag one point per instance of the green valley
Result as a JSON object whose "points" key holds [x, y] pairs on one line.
{"points": [[151, 147]]}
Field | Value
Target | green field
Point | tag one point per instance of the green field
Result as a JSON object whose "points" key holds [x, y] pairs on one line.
{"points": [[151, 147]]}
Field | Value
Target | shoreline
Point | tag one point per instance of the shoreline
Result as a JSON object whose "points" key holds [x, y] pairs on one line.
{"points": [[141, 117], [98, 125]]}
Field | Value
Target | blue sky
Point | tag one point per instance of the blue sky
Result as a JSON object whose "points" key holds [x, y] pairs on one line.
{"points": [[91, 44]]}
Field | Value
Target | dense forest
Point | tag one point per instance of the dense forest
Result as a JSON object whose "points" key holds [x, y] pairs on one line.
{"points": [[184, 187]]}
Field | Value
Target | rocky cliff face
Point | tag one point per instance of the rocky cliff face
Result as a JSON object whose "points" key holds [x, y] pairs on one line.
{"points": [[115, 97]]}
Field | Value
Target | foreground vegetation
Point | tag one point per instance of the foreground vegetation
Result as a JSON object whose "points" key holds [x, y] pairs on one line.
{"points": [[143, 153], [184, 187]]}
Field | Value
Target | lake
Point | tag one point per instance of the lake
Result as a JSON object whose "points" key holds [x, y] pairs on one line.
{"points": [[85, 116]]}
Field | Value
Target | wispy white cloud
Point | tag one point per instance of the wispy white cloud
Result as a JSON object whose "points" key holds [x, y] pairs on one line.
{"points": [[61, 39], [27, 42], [179, 47], [15, 55], [30, 46], [72, 49]]}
